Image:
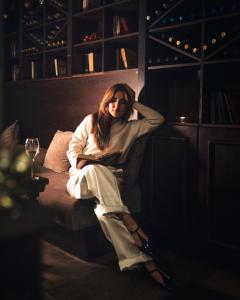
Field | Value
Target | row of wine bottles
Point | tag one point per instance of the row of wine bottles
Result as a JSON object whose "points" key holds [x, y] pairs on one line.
{"points": [[178, 17], [29, 21], [155, 60], [188, 44], [231, 6], [60, 4], [165, 59], [172, 19]]}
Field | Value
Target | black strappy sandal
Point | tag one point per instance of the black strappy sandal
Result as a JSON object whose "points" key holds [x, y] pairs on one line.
{"points": [[168, 282], [147, 246]]}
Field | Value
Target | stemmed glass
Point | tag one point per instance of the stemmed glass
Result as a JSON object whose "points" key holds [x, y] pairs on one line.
{"points": [[32, 149]]}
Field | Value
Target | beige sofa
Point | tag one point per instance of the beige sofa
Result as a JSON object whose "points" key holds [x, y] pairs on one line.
{"points": [[75, 215]]}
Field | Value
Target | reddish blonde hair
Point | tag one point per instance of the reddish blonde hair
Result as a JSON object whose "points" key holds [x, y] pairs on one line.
{"points": [[102, 120]]}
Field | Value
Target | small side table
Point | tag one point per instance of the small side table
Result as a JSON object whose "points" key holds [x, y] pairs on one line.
{"points": [[37, 186], [20, 247]]}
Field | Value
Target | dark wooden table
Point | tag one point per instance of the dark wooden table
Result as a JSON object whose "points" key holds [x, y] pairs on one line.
{"points": [[20, 246]]}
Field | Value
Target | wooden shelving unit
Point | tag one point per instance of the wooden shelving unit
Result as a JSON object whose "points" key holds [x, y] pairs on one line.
{"points": [[62, 38]]}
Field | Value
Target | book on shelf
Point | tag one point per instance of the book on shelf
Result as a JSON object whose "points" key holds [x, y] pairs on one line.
{"points": [[91, 62], [85, 5], [119, 62], [224, 108], [106, 158], [90, 4], [120, 25], [15, 72], [233, 100], [218, 109], [60, 67], [123, 25], [13, 48], [33, 69], [126, 57]]}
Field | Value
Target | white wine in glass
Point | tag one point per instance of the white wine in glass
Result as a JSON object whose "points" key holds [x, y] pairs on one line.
{"points": [[32, 150]]}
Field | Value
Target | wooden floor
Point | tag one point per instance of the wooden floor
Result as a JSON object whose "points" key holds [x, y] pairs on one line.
{"points": [[66, 277]]}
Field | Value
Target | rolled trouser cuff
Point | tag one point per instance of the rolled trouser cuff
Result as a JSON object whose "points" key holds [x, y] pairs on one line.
{"points": [[132, 262], [102, 210]]}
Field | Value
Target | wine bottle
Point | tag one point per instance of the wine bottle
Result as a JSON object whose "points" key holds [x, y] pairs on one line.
{"points": [[164, 21], [213, 11], [180, 18], [175, 59], [221, 9], [192, 16], [195, 50], [178, 42], [165, 5], [214, 41], [158, 12], [166, 60], [205, 47], [163, 36], [223, 34], [158, 60]]}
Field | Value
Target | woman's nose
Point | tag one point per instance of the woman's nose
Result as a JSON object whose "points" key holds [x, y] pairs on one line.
{"points": [[116, 104]]}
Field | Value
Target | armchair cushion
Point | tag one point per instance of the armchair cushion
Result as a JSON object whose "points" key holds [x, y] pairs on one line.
{"points": [[56, 156], [10, 136]]}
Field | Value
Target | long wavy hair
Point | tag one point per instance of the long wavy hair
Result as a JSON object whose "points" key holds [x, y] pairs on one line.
{"points": [[102, 120]]}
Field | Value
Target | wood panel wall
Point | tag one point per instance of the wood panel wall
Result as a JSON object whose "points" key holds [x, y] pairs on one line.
{"points": [[44, 106]]}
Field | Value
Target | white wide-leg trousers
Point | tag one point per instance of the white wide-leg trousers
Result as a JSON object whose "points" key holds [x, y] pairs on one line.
{"points": [[98, 181]]}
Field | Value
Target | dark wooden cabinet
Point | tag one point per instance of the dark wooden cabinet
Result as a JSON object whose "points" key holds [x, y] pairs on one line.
{"points": [[170, 178], [219, 187]]}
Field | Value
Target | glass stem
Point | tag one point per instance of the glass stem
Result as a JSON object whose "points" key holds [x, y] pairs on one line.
{"points": [[32, 168]]}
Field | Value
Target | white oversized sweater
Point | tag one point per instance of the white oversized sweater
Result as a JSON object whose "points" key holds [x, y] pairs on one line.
{"points": [[122, 135]]}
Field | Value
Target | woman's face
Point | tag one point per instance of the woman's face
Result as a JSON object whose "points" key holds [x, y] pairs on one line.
{"points": [[118, 105]]}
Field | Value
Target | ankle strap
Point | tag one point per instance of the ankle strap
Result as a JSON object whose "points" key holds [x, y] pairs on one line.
{"points": [[135, 230]]}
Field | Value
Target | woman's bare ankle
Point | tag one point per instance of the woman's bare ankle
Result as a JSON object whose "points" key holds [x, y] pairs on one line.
{"points": [[152, 269]]}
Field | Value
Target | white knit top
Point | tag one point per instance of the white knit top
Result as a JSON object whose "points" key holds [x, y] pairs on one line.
{"points": [[122, 135]]}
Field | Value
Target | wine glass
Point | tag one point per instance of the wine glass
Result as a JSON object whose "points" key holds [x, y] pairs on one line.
{"points": [[32, 149]]}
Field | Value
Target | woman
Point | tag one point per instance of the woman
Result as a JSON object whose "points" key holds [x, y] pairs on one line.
{"points": [[109, 130]]}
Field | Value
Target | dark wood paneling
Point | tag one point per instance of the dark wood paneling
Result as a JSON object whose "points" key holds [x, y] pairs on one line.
{"points": [[220, 153], [42, 107], [170, 178]]}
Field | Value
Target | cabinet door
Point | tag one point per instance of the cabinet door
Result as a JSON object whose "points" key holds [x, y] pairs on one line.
{"points": [[169, 179], [219, 187]]}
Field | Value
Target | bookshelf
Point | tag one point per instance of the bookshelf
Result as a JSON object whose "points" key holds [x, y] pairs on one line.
{"points": [[81, 36], [190, 46], [191, 75]]}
